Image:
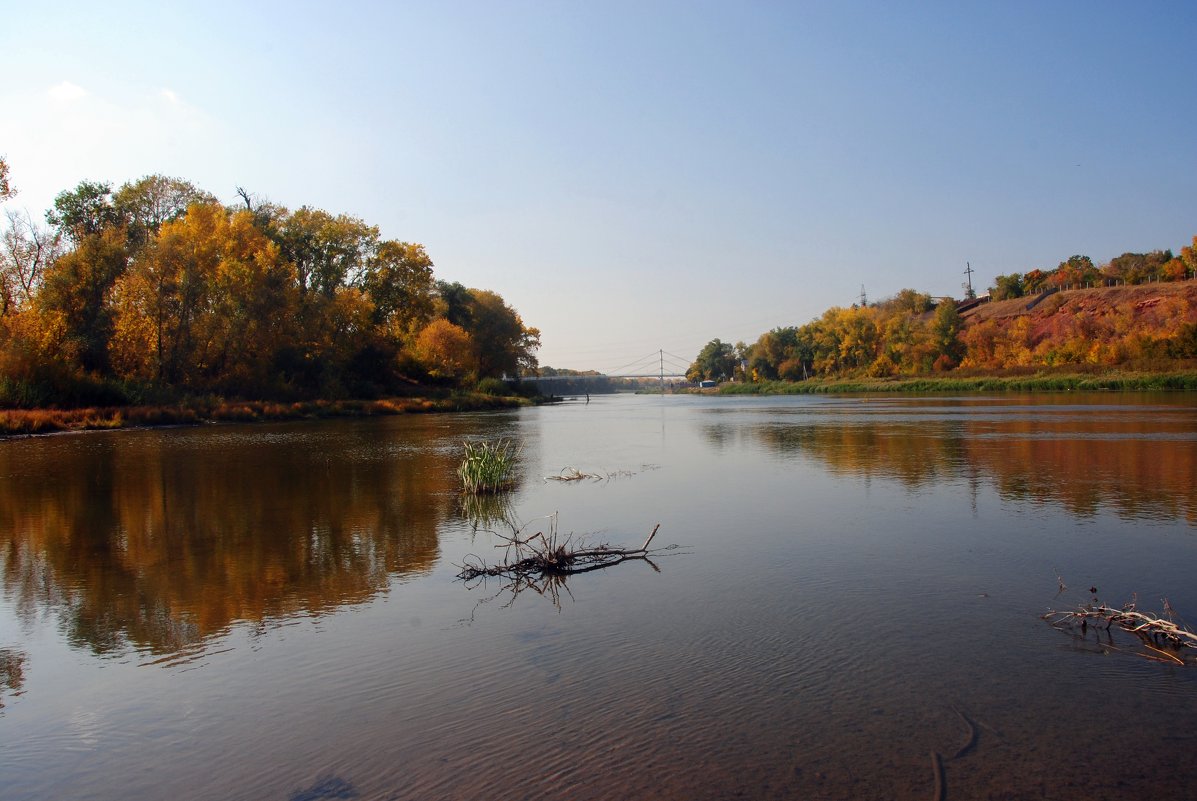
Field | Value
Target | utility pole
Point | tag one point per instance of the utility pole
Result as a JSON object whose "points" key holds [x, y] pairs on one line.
{"points": [[969, 294]]}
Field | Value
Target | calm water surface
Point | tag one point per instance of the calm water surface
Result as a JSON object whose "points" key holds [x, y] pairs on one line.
{"points": [[271, 611]]}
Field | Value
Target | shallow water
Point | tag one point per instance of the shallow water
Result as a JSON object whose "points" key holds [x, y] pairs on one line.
{"points": [[271, 611]]}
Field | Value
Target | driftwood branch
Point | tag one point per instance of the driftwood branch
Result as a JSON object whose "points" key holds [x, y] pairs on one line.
{"points": [[1162, 638], [571, 474], [541, 562], [548, 554]]}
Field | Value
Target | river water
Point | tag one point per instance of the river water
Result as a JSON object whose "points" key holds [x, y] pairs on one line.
{"points": [[271, 611]]}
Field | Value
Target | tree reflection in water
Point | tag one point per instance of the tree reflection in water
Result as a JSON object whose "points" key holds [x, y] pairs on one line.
{"points": [[1082, 463], [162, 542]]}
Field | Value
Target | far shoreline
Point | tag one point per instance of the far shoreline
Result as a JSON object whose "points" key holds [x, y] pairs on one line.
{"points": [[17, 423], [1119, 381]]}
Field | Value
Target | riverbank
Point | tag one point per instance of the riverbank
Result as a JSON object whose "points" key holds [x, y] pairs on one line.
{"points": [[26, 422], [1039, 382]]}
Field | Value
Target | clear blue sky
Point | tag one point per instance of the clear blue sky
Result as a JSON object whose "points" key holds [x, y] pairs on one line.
{"points": [[642, 175]]}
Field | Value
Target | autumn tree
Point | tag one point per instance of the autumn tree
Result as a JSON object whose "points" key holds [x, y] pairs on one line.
{"points": [[1136, 268], [208, 303], [1075, 272], [908, 302], [1188, 257], [146, 204], [1034, 281], [328, 252], [73, 300], [945, 331], [399, 282], [770, 350], [446, 350]]}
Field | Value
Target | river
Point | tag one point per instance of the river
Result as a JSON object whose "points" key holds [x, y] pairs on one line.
{"points": [[272, 612]]}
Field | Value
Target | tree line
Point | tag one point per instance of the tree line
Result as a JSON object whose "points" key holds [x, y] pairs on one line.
{"points": [[155, 289], [914, 334]]}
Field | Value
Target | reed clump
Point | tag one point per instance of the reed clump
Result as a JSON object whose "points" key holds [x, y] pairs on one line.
{"points": [[488, 467]]}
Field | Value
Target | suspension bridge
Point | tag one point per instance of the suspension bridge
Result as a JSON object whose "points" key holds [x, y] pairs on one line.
{"points": [[660, 365]]}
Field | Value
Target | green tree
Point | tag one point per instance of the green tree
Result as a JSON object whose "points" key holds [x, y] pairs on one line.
{"points": [[453, 303], [907, 301], [328, 252], [504, 344], [716, 362], [84, 211], [1007, 286]]}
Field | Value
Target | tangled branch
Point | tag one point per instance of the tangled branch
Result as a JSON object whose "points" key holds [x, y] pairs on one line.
{"points": [[1161, 636], [548, 554], [569, 474]]}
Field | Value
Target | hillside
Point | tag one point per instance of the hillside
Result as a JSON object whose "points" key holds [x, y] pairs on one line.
{"points": [[1146, 326], [1140, 302]]}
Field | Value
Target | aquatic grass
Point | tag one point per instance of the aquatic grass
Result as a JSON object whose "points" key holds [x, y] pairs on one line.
{"points": [[488, 467]]}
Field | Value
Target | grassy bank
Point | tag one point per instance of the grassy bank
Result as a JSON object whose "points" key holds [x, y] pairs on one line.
{"points": [[17, 422], [1123, 382]]}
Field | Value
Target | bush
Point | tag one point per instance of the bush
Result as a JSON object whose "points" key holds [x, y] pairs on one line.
{"points": [[494, 386]]}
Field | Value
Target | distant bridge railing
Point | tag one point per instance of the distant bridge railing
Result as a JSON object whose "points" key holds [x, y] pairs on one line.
{"points": [[549, 378]]}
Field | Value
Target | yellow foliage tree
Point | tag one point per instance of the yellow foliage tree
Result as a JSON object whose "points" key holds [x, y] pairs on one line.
{"points": [[446, 350]]}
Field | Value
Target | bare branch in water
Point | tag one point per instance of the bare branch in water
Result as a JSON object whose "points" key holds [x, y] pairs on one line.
{"points": [[549, 554], [1162, 639]]}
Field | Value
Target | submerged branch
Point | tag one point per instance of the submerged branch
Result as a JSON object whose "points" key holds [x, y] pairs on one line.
{"points": [[1154, 633]]}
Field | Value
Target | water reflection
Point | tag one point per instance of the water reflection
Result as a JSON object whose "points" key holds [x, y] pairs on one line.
{"points": [[1138, 463], [12, 672], [161, 539]]}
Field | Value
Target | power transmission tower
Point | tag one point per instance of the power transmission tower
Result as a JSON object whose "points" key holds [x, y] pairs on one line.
{"points": [[969, 293], [864, 299]]}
